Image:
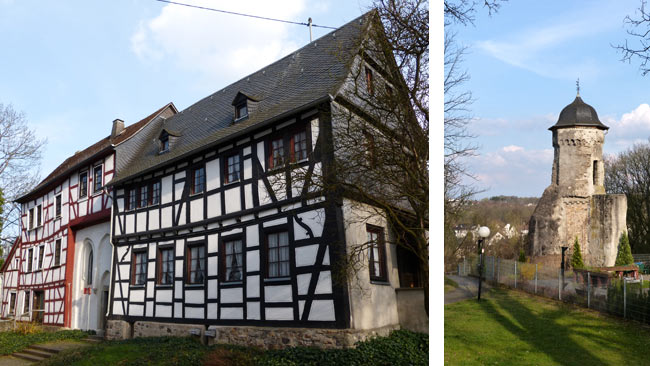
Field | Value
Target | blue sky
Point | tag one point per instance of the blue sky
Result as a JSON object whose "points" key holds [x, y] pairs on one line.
{"points": [[74, 66], [524, 62]]}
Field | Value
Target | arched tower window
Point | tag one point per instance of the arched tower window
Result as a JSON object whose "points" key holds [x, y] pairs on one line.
{"points": [[89, 268]]}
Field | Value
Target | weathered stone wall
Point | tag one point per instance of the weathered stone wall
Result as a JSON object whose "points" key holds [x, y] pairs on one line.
{"points": [[575, 204], [117, 329], [576, 149], [264, 337], [577, 214], [156, 329], [6, 325], [607, 224], [275, 338]]}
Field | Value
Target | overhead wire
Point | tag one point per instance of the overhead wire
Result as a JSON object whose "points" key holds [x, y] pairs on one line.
{"points": [[244, 15]]}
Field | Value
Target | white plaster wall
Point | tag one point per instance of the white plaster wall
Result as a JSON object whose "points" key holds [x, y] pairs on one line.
{"points": [[371, 305], [86, 311]]}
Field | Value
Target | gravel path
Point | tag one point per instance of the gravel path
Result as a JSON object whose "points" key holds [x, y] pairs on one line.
{"points": [[467, 289]]}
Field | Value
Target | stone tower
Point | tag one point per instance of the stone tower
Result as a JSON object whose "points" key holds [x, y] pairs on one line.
{"points": [[575, 204]]}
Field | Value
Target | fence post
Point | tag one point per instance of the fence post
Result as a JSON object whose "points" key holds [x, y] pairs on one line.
{"points": [[459, 269], [535, 278], [624, 298], [559, 284], [588, 290], [515, 274], [498, 261], [493, 267]]}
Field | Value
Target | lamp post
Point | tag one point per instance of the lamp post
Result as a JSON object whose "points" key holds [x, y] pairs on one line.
{"points": [[483, 232], [564, 249]]}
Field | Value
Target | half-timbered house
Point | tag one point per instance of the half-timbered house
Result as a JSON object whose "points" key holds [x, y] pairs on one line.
{"points": [[210, 231], [58, 271]]}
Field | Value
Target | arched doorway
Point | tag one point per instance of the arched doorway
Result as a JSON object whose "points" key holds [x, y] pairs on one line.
{"points": [[103, 300]]}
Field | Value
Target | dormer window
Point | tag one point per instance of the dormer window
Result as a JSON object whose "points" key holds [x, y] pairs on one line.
{"points": [[164, 142], [241, 110], [244, 105]]}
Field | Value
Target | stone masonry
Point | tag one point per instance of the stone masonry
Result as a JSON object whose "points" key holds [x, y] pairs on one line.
{"points": [[575, 205], [263, 337]]}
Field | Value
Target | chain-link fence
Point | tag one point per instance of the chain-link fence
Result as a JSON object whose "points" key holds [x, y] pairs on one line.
{"points": [[628, 297]]}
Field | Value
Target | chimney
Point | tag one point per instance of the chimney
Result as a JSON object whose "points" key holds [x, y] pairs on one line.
{"points": [[118, 127]]}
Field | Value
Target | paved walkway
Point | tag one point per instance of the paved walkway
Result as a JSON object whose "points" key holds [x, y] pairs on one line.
{"points": [[467, 289], [58, 346]]}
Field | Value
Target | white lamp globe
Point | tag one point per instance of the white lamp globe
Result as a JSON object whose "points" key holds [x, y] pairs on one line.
{"points": [[484, 232]]}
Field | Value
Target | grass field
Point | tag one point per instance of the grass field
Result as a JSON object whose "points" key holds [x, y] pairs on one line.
{"points": [[15, 341], [513, 328]]}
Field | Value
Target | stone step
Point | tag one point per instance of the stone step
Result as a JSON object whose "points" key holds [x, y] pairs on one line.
{"points": [[94, 340], [37, 352], [28, 357], [45, 349]]}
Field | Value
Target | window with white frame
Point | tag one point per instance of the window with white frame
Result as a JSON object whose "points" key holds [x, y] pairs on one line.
{"points": [[83, 184], [41, 252], [97, 179]]}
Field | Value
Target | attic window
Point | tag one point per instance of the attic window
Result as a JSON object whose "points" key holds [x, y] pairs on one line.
{"points": [[164, 142], [369, 81], [241, 110]]}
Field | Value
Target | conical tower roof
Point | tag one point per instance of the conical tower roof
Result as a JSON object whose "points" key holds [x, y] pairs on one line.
{"points": [[578, 113]]}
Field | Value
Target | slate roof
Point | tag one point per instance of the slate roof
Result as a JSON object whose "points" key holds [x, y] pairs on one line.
{"points": [[304, 78], [88, 154], [578, 113]]}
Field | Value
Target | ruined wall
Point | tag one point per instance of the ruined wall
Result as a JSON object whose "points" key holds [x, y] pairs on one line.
{"points": [[575, 204], [607, 224]]}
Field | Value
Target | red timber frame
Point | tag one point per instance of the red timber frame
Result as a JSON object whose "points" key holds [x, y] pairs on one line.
{"points": [[61, 290]]}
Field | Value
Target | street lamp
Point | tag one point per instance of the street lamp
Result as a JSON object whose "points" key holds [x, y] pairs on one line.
{"points": [[483, 232]]}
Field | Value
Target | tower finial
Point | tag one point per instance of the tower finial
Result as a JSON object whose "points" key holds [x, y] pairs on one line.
{"points": [[578, 87]]}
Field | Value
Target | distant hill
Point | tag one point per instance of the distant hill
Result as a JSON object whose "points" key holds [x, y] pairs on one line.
{"points": [[506, 216]]}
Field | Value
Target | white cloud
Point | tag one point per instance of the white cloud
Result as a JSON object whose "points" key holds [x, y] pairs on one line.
{"points": [[512, 148], [539, 48], [218, 46], [512, 170], [632, 128]]}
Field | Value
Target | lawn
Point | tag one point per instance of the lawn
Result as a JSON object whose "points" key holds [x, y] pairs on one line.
{"points": [[400, 348], [15, 341], [513, 328]]}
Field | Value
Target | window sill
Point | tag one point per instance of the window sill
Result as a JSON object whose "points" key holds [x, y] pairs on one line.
{"points": [[164, 285], [276, 169], [232, 282], [95, 194], [231, 183], [194, 285], [137, 286], [196, 194], [277, 279], [380, 282]]}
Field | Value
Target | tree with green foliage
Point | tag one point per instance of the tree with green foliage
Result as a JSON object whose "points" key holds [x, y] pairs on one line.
{"points": [[624, 255], [576, 258], [522, 256]]}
